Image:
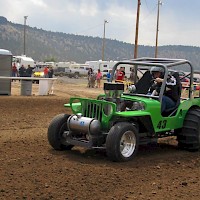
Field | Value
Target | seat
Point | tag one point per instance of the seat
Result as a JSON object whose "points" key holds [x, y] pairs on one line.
{"points": [[172, 111], [143, 85]]}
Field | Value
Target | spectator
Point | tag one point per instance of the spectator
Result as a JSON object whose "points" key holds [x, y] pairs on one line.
{"points": [[116, 72], [46, 71], [98, 78], [50, 72], [122, 69], [29, 71], [108, 75], [132, 75], [22, 71], [14, 70], [91, 78], [90, 71], [119, 75]]}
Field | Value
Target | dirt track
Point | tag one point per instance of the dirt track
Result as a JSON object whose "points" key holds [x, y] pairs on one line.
{"points": [[31, 169]]}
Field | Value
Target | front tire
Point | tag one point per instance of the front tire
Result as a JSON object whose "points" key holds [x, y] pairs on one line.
{"points": [[57, 127], [189, 137], [122, 142]]}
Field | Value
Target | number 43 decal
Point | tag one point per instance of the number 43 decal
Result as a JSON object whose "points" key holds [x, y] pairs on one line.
{"points": [[162, 124]]}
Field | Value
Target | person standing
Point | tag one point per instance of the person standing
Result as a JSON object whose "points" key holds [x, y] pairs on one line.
{"points": [[22, 71], [90, 72], [132, 75], [108, 75], [29, 71], [50, 72], [46, 71], [14, 70], [98, 78], [116, 73], [120, 75], [91, 78]]}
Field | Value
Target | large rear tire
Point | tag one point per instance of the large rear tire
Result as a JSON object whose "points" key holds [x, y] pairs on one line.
{"points": [[57, 127], [189, 137], [122, 142]]}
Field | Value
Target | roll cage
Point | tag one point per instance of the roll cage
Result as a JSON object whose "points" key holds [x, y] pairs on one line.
{"points": [[165, 63]]}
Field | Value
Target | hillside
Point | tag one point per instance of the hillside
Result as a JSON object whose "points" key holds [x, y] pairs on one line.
{"points": [[42, 45]]}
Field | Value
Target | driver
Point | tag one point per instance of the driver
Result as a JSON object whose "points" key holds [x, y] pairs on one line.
{"points": [[171, 93]]}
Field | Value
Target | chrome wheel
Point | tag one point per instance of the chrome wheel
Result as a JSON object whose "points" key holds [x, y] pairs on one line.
{"points": [[127, 144], [122, 142]]}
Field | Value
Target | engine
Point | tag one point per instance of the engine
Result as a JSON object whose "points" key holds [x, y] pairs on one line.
{"points": [[113, 92]]}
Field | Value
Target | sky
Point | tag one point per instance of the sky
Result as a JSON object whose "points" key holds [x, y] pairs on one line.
{"points": [[179, 20]]}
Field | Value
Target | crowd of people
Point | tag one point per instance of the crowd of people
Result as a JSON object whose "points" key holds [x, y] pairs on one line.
{"points": [[94, 79], [21, 71], [48, 72]]}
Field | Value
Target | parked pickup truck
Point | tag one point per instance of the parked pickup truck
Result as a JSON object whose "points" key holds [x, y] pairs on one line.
{"points": [[77, 70]]}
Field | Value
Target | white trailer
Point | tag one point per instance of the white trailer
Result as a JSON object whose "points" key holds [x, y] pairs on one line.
{"points": [[63, 64], [102, 65], [52, 64], [105, 66], [23, 60]]}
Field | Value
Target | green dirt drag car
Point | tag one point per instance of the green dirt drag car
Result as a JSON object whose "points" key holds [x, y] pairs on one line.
{"points": [[119, 120]]}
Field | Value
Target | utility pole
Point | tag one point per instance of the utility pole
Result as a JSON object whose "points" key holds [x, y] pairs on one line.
{"points": [[25, 18], [104, 34], [136, 38], [136, 29], [157, 28]]}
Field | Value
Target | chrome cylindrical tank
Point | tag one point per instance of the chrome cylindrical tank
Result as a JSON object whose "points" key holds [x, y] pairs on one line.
{"points": [[83, 124]]}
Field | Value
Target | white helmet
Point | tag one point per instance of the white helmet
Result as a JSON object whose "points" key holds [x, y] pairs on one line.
{"points": [[132, 88], [157, 69]]}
